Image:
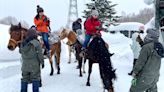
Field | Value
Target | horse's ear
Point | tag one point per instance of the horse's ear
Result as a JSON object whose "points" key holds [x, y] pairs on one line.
{"points": [[19, 25]]}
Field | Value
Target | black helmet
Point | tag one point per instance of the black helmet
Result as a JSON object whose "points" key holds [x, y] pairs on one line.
{"points": [[39, 9]]}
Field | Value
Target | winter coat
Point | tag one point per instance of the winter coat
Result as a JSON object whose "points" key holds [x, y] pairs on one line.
{"points": [[135, 46], [42, 24], [76, 25], [149, 61], [147, 68], [32, 56], [90, 26]]}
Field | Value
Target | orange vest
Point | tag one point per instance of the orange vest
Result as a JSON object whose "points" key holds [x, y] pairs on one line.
{"points": [[41, 25]]}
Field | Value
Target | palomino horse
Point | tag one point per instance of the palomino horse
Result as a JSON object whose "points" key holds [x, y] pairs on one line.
{"points": [[97, 53], [72, 41], [18, 33]]}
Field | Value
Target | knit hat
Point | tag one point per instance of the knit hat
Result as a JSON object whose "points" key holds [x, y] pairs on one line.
{"points": [[152, 35], [39, 9], [94, 12]]}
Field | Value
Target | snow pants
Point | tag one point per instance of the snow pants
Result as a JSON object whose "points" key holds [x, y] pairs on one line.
{"points": [[144, 84]]}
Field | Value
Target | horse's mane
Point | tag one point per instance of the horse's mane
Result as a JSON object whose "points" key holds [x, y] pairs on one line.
{"points": [[16, 28]]}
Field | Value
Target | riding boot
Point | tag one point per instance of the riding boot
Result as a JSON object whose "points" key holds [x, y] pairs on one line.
{"points": [[24, 86], [35, 86]]}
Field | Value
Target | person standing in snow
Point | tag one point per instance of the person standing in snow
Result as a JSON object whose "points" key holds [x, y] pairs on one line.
{"points": [[136, 47], [32, 58], [42, 24], [146, 71]]}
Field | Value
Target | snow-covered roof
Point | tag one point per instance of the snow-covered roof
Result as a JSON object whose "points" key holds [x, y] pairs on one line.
{"points": [[130, 26]]}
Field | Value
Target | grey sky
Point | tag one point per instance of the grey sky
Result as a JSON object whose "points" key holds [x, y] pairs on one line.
{"points": [[57, 10]]}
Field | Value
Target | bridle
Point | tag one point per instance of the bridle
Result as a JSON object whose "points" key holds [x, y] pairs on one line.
{"points": [[17, 42]]}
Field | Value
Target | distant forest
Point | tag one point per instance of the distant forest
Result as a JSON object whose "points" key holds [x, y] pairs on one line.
{"points": [[143, 17]]}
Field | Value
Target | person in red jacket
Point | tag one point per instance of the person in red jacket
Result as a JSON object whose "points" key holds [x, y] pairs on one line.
{"points": [[92, 26], [42, 23]]}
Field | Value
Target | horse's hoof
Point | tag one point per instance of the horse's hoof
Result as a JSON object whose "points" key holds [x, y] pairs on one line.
{"points": [[51, 74], [88, 84], [69, 62], [58, 72], [81, 75]]}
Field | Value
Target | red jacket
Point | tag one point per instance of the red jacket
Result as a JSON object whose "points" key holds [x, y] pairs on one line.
{"points": [[41, 25], [90, 25]]}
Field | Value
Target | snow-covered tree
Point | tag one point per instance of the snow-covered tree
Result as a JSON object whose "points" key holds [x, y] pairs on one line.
{"points": [[105, 8]]}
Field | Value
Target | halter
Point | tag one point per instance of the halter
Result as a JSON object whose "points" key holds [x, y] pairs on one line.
{"points": [[17, 42]]}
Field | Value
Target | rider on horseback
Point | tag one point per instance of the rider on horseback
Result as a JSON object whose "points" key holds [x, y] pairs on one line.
{"points": [[92, 26], [76, 26], [42, 23]]}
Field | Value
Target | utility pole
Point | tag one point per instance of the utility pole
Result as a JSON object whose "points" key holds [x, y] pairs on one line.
{"points": [[72, 13]]}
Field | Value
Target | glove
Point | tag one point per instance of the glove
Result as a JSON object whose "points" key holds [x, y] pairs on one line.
{"points": [[42, 66], [46, 19], [98, 28], [134, 81]]}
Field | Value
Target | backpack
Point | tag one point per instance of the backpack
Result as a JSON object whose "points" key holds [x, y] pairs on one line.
{"points": [[159, 48]]}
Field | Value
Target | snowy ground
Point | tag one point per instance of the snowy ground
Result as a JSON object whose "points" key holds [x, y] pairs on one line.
{"points": [[68, 80]]}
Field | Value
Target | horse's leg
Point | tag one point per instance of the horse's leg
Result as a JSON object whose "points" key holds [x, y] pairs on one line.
{"points": [[84, 65], [89, 72], [51, 63], [111, 89], [69, 51], [80, 66], [57, 56]]}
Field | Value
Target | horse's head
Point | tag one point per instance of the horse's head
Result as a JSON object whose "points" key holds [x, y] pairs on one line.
{"points": [[63, 33], [17, 33]]}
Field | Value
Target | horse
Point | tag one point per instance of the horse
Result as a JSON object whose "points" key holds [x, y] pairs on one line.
{"points": [[18, 33], [73, 42], [97, 53]]}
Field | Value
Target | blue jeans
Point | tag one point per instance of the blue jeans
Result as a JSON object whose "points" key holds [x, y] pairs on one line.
{"points": [[87, 39], [45, 40]]}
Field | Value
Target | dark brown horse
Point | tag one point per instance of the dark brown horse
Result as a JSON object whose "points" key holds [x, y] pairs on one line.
{"points": [[97, 53], [18, 33]]}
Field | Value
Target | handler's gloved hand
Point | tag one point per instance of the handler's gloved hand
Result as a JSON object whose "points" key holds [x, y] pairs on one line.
{"points": [[134, 81]]}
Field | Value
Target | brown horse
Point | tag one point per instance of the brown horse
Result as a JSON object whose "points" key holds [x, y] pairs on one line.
{"points": [[18, 33], [93, 55]]}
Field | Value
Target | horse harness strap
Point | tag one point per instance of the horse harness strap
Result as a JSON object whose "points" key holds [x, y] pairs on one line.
{"points": [[12, 40], [22, 35], [73, 43]]}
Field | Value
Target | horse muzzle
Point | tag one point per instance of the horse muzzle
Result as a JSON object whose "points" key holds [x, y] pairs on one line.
{"points": [[11, 45]]}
